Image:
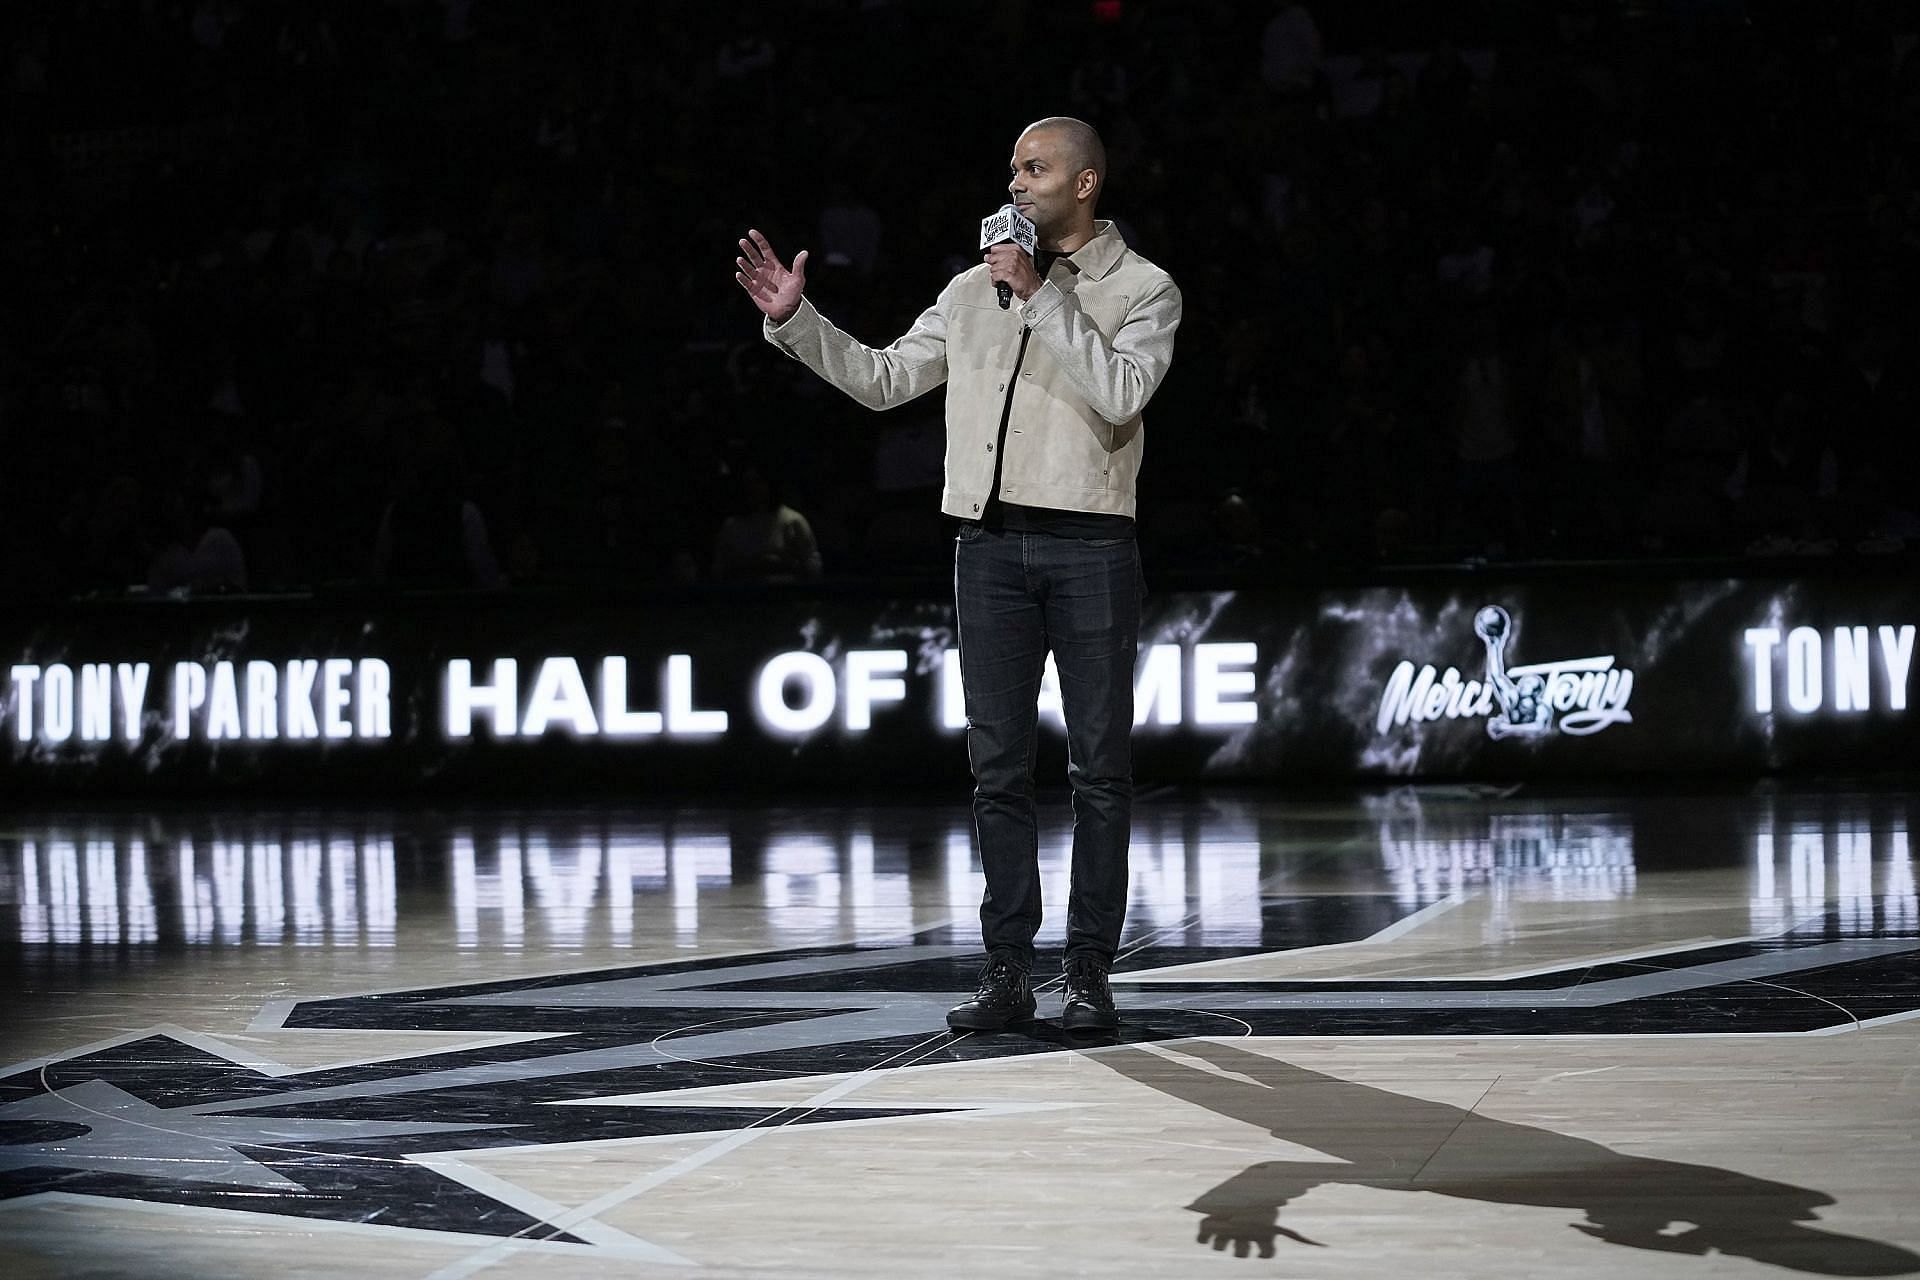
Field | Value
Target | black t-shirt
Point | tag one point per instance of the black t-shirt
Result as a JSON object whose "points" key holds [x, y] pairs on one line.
{"points": [[999, 516]]}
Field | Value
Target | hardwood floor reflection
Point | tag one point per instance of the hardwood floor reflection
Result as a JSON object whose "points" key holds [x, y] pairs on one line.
{"points": [[575, 1040]]}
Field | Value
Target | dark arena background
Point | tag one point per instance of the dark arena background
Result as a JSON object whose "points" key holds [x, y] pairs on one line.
{"points": [[444, 833]]}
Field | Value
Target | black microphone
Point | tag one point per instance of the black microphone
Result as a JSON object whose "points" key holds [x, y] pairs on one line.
{"points": [[1009, 226]]}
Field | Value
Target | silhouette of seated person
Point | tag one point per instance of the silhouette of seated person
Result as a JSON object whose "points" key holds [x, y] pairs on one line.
{"points": [[432, 534], [765, 540], [194, 554]]}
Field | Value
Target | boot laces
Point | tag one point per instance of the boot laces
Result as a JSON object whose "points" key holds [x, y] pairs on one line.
{"points": [[998, 974], [1089, 977]]}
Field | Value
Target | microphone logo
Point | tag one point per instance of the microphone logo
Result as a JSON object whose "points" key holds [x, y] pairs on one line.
{"points": [[1009, 226]]}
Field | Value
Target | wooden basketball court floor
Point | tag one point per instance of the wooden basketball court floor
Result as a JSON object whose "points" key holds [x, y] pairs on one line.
{"points": [[1447, 1031]]}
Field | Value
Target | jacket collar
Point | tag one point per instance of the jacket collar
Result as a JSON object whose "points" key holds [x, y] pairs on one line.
{"points": [[1099, 255]]}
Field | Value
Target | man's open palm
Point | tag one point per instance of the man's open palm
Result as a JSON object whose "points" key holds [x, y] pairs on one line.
{"points": [[773, 288]]}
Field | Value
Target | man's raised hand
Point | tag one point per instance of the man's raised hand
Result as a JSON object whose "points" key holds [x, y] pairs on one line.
{"points": [[773, 288]]}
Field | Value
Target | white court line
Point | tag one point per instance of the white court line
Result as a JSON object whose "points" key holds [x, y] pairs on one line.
{"points": [[1861, 1024], [1399, 928], [1679, 948], [686, 1164], [172, 1031], [450, 1042], [225, 1221], [271, 1014], [600, 1235], [240, 1056]]}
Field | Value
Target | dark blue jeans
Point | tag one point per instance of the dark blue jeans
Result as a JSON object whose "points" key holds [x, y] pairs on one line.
{"points": [[1018, 595]]}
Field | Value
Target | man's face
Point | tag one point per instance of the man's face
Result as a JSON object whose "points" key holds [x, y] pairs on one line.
{"points": [[1043, 180]]}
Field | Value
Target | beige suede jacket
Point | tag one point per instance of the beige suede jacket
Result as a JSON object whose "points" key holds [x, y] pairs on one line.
{"points": [[1102, 327]]}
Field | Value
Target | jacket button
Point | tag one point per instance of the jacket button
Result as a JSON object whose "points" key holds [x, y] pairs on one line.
{"points": [[1029, 373], [989, 448], [1001, 387], [976, 506]]}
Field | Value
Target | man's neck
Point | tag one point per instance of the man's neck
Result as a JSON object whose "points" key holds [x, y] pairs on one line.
{"points": [[1071, 240]]}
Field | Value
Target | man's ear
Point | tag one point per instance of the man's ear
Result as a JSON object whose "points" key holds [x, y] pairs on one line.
{"points": [[1086, 184]]}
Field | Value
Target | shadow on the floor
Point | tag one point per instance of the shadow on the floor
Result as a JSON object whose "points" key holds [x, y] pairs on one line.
{"points": [[1388, 1140]]}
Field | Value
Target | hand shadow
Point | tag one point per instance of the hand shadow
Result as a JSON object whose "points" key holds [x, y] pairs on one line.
{"points": [[1392, 1141]]}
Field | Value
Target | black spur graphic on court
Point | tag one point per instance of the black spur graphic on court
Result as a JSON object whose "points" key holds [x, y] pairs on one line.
{"points": [[161, 1118]]}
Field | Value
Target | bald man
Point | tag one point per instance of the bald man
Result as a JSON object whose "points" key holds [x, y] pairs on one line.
{"points": [[1044, 440]]}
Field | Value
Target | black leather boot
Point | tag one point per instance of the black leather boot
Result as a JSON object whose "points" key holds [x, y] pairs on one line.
{"points": [[1089, 999], [1005, 997]]}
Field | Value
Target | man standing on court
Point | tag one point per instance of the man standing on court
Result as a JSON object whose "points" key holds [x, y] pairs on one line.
{"points": [[1044, 440]]}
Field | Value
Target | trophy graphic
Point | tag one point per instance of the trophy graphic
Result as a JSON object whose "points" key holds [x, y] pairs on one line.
{"points": [[1522, 702]]}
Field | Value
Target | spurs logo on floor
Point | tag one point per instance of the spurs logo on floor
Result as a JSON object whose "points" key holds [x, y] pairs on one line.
{"points": [[1575, 696], [167, 1117]]}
